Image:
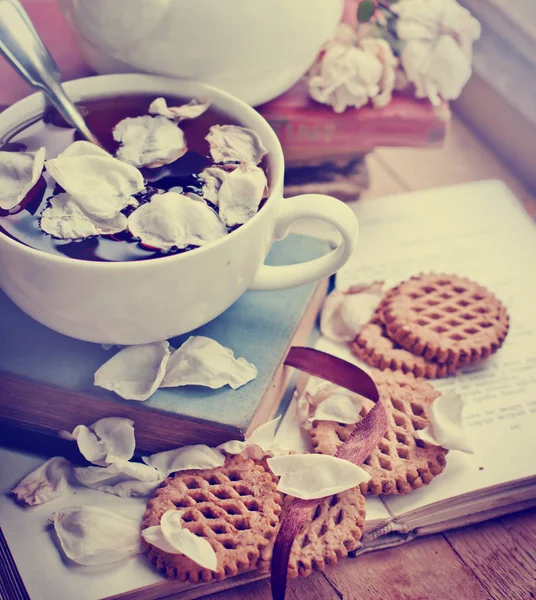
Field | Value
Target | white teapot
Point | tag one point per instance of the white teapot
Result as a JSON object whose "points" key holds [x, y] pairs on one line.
{"points": [[254, 49]]}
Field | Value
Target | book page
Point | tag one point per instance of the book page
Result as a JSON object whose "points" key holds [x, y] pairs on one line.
{"points": [[476, 230], [29, 535]]}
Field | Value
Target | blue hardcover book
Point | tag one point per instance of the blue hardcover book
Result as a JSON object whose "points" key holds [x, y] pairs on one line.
{"points": [[46, 379]]}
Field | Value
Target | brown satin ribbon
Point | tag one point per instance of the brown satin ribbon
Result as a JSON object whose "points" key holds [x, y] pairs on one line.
{"points": [[364, 438]]}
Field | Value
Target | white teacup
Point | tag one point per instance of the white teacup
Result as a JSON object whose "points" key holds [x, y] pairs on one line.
{"points": [[149, 300], [253, 49]]}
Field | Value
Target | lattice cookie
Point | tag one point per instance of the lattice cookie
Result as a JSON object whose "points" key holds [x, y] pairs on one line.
{"points": [[445, 318], [401, 462], [335, 530], [374, 347], [235, 507]]}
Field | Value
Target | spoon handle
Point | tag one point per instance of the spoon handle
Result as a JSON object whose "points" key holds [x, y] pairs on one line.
{"points": [[24, 49]]}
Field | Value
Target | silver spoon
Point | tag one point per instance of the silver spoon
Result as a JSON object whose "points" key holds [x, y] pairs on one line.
{"points": [[24, 49]]}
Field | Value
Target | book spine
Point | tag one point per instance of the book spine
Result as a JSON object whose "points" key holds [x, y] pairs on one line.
{"points": [[308, 130]]}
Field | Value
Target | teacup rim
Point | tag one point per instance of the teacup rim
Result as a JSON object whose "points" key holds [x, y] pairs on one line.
{"points": [[32, 106]]}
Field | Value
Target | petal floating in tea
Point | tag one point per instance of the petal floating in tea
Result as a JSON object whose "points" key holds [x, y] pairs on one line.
{"points": [[310, 476], [202, 361], [90, 535], [19, 172], [192, 110], [135, 372], [212, 179], [173, 219], [241, 193], [65, 219], [149, 141], [233, 143], [198, 456], [345, 312], [123, 478], [100, 184], [45, 483], [106, 441], [446, 424], [171, 537]]}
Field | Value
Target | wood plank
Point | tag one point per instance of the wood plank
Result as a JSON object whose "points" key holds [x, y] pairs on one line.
{"points": [[315, 586], [522, 529], [463, 158], [501, 553], [384, 181], [426, 568]]}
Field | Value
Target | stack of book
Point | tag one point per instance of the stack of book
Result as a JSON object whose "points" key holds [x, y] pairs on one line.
{"points": [[46, 379], [325, 151]]}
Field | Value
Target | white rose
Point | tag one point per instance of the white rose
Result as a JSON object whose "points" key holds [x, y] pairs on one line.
{"points": [[351, 72], [384, 53], [346, 77], [438, 36]]}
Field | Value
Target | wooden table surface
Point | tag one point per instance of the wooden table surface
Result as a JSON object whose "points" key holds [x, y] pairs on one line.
{"points": [[495, 560]]}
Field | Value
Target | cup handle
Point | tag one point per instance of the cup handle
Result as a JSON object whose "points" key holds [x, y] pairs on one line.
{"points": [[316, 206]]}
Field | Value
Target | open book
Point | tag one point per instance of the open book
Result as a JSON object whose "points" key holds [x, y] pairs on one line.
{"points": [[477, 230]]}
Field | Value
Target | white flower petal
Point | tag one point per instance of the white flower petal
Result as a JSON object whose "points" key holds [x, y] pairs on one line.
{"points": [[149, 141], [91, 448], [246, 451], [192, 110], [241, 193], [437, 53], [345, 312], [326, 401], [198, 456], [449, 68], [117, 436], [339, 408], [202, 361], [212, 179], [446, 427], [124, 479], [135, 372], [383, 52], [233, 446], [45, 483], [101, 184], [19, 172], [154, 536], [174, 220], [346, 76], [310, 476], [185, 542], [233, 143], [106, 441], [264, 435], [65, 219], [93, 536]]}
